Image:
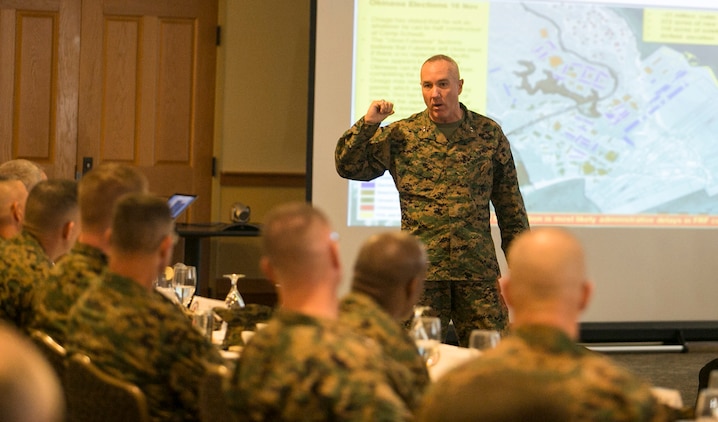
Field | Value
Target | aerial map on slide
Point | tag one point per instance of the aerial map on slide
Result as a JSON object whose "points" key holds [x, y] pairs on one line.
{"points": [[604, 110], [610, 110]]}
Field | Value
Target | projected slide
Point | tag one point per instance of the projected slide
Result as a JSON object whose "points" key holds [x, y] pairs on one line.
{"points": [[610, 110]]}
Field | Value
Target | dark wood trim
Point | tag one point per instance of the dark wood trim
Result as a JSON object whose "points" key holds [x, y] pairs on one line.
{"points": [[310, 98], [244, 179]]}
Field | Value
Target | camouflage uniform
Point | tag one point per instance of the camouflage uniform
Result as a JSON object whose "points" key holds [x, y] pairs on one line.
{"points": [[69, 279], [23, 264], [303, 368], [590, 385], [445, 186], [142, 337], [242, 319], [406, 367], [471, 304]]}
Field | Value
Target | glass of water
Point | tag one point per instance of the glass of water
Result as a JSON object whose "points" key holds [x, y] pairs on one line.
{"points": [[426, 332], [185, 283]]}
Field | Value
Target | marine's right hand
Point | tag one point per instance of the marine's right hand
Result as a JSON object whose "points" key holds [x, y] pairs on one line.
{"points": [[378, 111]]}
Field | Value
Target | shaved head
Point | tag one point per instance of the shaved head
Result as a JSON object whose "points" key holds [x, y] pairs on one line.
{"points": [[547, 262], [547, 280]]}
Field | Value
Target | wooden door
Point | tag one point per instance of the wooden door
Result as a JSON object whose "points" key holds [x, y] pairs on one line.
{"points": [[146, 91], [39, 67]]}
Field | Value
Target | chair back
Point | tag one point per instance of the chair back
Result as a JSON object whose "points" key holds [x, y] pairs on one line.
{"points": [[93, 395], [212, 401], [53, 352]]}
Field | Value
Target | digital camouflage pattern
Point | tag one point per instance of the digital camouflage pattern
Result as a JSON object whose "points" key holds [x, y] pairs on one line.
{"points": [[69, 279], [303, 368], [590, 386], [242, 319], [23, 264], [406, 367], [473, 305], [142, 337], [445, 186]]}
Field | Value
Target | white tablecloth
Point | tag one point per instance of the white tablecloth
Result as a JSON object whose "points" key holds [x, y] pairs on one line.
{"points": [[449, 358]]}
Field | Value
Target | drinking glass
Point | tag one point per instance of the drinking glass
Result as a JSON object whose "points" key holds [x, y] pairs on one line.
{"points": [[707, 405], [185, 283], [484, 339], [164, 278], [203, 321], [163, 284], [426, 333], [234, 300]]}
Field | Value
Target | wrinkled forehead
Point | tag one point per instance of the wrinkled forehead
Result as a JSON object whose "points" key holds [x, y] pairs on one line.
{"points": [[438, 70]]}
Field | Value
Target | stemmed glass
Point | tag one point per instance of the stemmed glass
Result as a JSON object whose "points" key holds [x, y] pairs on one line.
{"points": [[234, 300], [184, 283], [426, 333]]}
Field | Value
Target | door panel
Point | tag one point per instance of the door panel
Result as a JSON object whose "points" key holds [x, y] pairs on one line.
{"points": [[120, 107], [147, 91], [39, 62]]}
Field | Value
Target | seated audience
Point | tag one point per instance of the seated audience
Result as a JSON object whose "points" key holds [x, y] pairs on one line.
{"points": [[30, 173], [13, 196], [50, 228], [547, 289], [388, 279], [98, 191], [304, 365], [128, 329], [29, 388]]}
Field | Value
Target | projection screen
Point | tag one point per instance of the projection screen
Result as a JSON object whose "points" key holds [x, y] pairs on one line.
{"points": [[609, 110]]}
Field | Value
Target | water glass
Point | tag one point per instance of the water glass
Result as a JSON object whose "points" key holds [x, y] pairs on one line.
{"points": [[162, 281], [426, 332], [185, 283], [203, 321], [484, 339]]}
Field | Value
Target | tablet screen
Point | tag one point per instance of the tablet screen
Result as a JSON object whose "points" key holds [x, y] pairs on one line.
{"points": [[179, 202]]}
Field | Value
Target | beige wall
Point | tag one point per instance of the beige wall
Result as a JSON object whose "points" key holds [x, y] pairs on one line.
{"points": [[264, 61], [261, 113]]}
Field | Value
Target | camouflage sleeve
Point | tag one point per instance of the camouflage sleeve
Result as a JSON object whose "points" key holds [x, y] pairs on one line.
{"points": [[144, 339], [68, 280], [16, 295], [22, 264], [405, 367], [506, 196], [192, 353], [587, 388], [362, 152], [290, 373], [620, 394]]}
